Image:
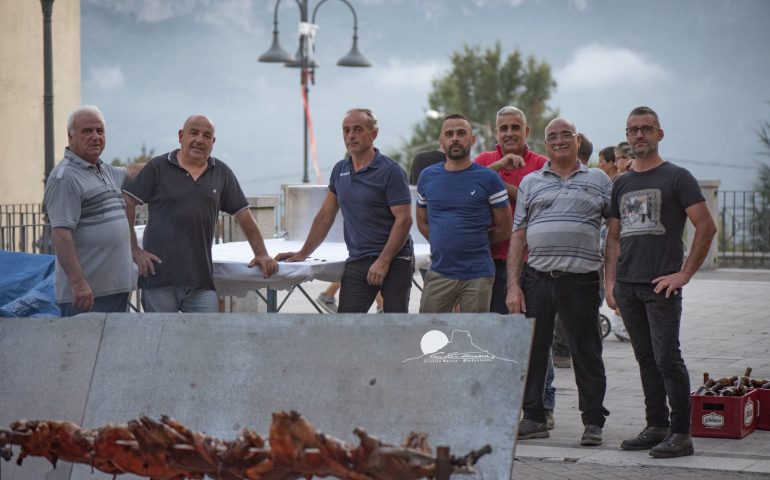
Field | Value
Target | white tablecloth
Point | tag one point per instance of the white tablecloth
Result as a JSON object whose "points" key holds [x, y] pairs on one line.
{"points": [[232, 276]]}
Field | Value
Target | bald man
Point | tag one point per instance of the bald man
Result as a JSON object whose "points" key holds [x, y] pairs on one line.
{"points": [[185, 190], [559, 210]]}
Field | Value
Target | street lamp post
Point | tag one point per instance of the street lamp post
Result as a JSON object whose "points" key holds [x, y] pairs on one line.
{"points": [[47, 85], [305, 58]]}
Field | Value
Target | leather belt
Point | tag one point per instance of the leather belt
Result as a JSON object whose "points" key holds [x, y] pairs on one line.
{"points": [[562, 274]]}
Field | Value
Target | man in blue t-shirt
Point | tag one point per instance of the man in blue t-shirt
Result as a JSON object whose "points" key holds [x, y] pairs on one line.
{"points": [[463, 208], [373, 193]]}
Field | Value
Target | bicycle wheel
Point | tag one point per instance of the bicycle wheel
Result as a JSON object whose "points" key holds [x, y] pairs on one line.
{"points": [[605, 325]]}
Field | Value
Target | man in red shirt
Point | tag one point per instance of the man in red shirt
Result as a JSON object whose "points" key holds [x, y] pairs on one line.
{"points": [[512, 160]]}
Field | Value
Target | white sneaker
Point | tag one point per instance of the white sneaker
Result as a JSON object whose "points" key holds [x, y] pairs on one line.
{"points": [[327, 303], [619, 329]]}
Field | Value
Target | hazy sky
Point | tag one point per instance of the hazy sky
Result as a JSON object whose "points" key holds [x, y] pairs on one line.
{"points": [[704, 66]]}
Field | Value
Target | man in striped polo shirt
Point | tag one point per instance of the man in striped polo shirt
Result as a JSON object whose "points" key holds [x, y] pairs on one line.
{"points": [[559, 210], [94, 270]]}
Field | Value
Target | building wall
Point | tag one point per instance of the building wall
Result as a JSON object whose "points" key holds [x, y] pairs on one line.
{"points": [[22, 133]]}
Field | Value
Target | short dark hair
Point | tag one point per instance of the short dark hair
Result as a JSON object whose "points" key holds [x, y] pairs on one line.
{"points": [[645, 111], [608, 154], [456, 115], [586, 147]]}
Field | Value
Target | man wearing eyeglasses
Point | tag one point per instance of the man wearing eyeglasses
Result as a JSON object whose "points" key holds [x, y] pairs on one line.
{"points": [[559, 210], [644, 276]]}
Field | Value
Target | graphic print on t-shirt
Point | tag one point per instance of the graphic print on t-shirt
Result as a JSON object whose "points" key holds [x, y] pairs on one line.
{"points": [[640, 213]]}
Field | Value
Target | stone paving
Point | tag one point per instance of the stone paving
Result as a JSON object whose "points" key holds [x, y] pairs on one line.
{"points": [[725, 329]]}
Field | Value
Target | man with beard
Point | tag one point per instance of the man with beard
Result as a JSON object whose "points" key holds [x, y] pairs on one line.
{"points": [[556, 227], [185, 190], [645, 274], [373, 194], [462, 208]]}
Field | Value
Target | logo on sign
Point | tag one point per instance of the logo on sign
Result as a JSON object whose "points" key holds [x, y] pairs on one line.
{"points": [[713, 420], [748, 413], [438, 348]]}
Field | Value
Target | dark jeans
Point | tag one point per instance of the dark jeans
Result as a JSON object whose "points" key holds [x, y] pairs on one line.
{"points": [[117, 302], [652, 322], [575, 297], [357, 296], [499, 289], [560, 347]]}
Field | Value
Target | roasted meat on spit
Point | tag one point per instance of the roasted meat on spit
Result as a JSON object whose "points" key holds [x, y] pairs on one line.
{"points": [[167, 450]]}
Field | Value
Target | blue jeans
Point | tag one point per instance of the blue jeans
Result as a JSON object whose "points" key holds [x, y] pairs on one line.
{"points": [[575, 297], [180, 299], [652, 322], [357, 296], [549, 392], [117, 302], [499, 289]]}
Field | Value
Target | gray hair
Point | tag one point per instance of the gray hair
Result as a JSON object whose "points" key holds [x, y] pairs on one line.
{"points": [[81, 110], [367, 113], [509, 110], [626, 149]]}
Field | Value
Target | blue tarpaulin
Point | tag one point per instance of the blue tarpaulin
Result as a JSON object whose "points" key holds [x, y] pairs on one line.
{"points": [[26, 285]]}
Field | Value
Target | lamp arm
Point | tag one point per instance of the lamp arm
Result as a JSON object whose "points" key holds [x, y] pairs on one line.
{"points": [[275, 14], [346, 2]]}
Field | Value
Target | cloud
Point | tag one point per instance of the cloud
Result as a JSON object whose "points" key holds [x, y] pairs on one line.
{"points": [[106, 77], [599, 67], [399, 74], [224, 13]]}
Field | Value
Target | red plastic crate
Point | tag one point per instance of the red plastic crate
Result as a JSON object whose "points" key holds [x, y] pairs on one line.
{"points": [[763, 408], [724, 417]]}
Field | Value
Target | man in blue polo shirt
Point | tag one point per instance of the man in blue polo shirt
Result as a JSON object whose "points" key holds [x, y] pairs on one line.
{"points": [[373, 194]]}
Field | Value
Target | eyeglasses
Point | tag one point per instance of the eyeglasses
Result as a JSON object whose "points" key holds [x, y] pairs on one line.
{"points": [[644, 129], [563, 135]]}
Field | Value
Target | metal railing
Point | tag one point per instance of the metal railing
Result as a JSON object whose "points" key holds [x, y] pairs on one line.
{"points": [[743, 222], [23, 228], [744, 229]]}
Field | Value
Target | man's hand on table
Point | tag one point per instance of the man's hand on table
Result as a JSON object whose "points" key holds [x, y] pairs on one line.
{"points": [[265, 263], [290, 257]]}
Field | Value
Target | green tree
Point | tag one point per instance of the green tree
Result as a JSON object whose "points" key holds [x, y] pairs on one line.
{"points": [[479, 83], [143, 157]]}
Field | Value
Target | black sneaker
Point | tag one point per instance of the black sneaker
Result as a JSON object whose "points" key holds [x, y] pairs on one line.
{"points": [[532, 429], [675, 445], [647, 438], [592, 436]]}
